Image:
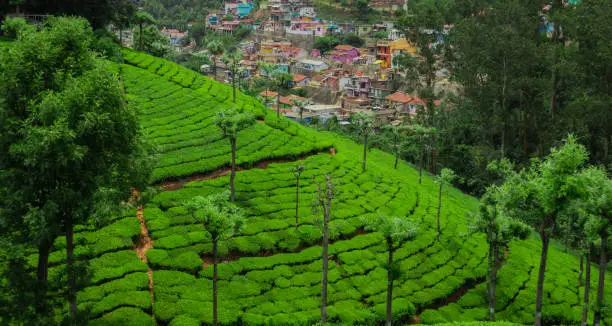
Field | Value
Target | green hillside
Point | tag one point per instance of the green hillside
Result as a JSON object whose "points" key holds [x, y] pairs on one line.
{"points": [[271, 273]]}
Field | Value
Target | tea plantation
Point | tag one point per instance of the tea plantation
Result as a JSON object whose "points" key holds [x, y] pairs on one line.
{"points": [[271, 272]]}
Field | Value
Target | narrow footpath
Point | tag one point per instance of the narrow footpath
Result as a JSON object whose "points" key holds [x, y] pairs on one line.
{"points": [[142, 246]]}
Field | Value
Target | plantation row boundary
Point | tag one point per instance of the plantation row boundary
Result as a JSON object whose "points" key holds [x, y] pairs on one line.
{"points": [[173, 184]]}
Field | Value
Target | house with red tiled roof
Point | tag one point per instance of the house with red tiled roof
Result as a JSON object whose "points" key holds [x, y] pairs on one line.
{"points": [[268, 93], [404, 103], [345, 54], [288, 102], [300, 80]]}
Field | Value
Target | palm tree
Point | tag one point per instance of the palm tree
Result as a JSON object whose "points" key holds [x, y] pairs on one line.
{"points": [[222, 220], [396, 231]]}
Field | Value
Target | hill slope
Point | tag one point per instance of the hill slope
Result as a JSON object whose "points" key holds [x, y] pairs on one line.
{"points": [[271, 272]]}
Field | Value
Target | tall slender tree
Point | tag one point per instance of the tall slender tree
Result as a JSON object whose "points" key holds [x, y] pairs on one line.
{"points": [[322, 201], [422, 135], [446, 177], [499, 230], [398, 133], [540, 195], [142, 18], [396, 231], [231, 122], [597, 205], [232, 62], [364, 125], [222, 220], [297, 172]]}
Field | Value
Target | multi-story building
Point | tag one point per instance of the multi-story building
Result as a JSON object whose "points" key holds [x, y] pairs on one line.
{"points": [[357, 86]]}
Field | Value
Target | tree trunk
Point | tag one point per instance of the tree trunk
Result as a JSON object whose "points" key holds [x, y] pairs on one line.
{"points": [[365, 152], [71, 272], [278, 103], [490, 272], [324, 256], [42, 275], [494, 282], [389, 282], [580, 273], [215, 316], [420, 165], [439, 208], [233, 172], [297, 201], [434, 168], [234, 83], [540, 286], [553, 97], [396, 151], [587, 287], [140, 37], [602, 276], [120, 37], [396, 159]]}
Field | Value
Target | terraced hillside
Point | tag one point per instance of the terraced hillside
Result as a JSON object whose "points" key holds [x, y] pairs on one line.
{"points": [[159, 271]]}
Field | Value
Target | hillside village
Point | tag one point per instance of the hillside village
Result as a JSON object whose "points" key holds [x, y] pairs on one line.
{"points": [[340, 82]]}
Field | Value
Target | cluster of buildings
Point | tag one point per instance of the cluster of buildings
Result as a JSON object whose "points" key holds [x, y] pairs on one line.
{"points": [[341, 82]]}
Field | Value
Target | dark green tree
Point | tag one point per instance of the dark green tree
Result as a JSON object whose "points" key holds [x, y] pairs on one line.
{"points": [[142, 18], [70, 138]]}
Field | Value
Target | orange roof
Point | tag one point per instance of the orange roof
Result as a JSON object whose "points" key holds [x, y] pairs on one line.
{"points": [[268, 93], [399, 97], [298, 78], [318, 78], [291, 99], [344, 47]]}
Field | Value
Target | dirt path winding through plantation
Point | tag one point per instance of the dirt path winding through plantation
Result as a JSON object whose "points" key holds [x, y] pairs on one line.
{"points": [[144, 243]]}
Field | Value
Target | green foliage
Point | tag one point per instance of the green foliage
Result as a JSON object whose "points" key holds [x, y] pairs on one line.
{"points": [[153, 42], [14, 28]]}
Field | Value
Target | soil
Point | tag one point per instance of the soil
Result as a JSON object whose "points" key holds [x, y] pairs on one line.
{"points": [[144, 241], [143, 244]]}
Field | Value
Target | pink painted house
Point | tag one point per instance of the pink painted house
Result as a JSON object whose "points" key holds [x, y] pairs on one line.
{"points": [[345, 54]]}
